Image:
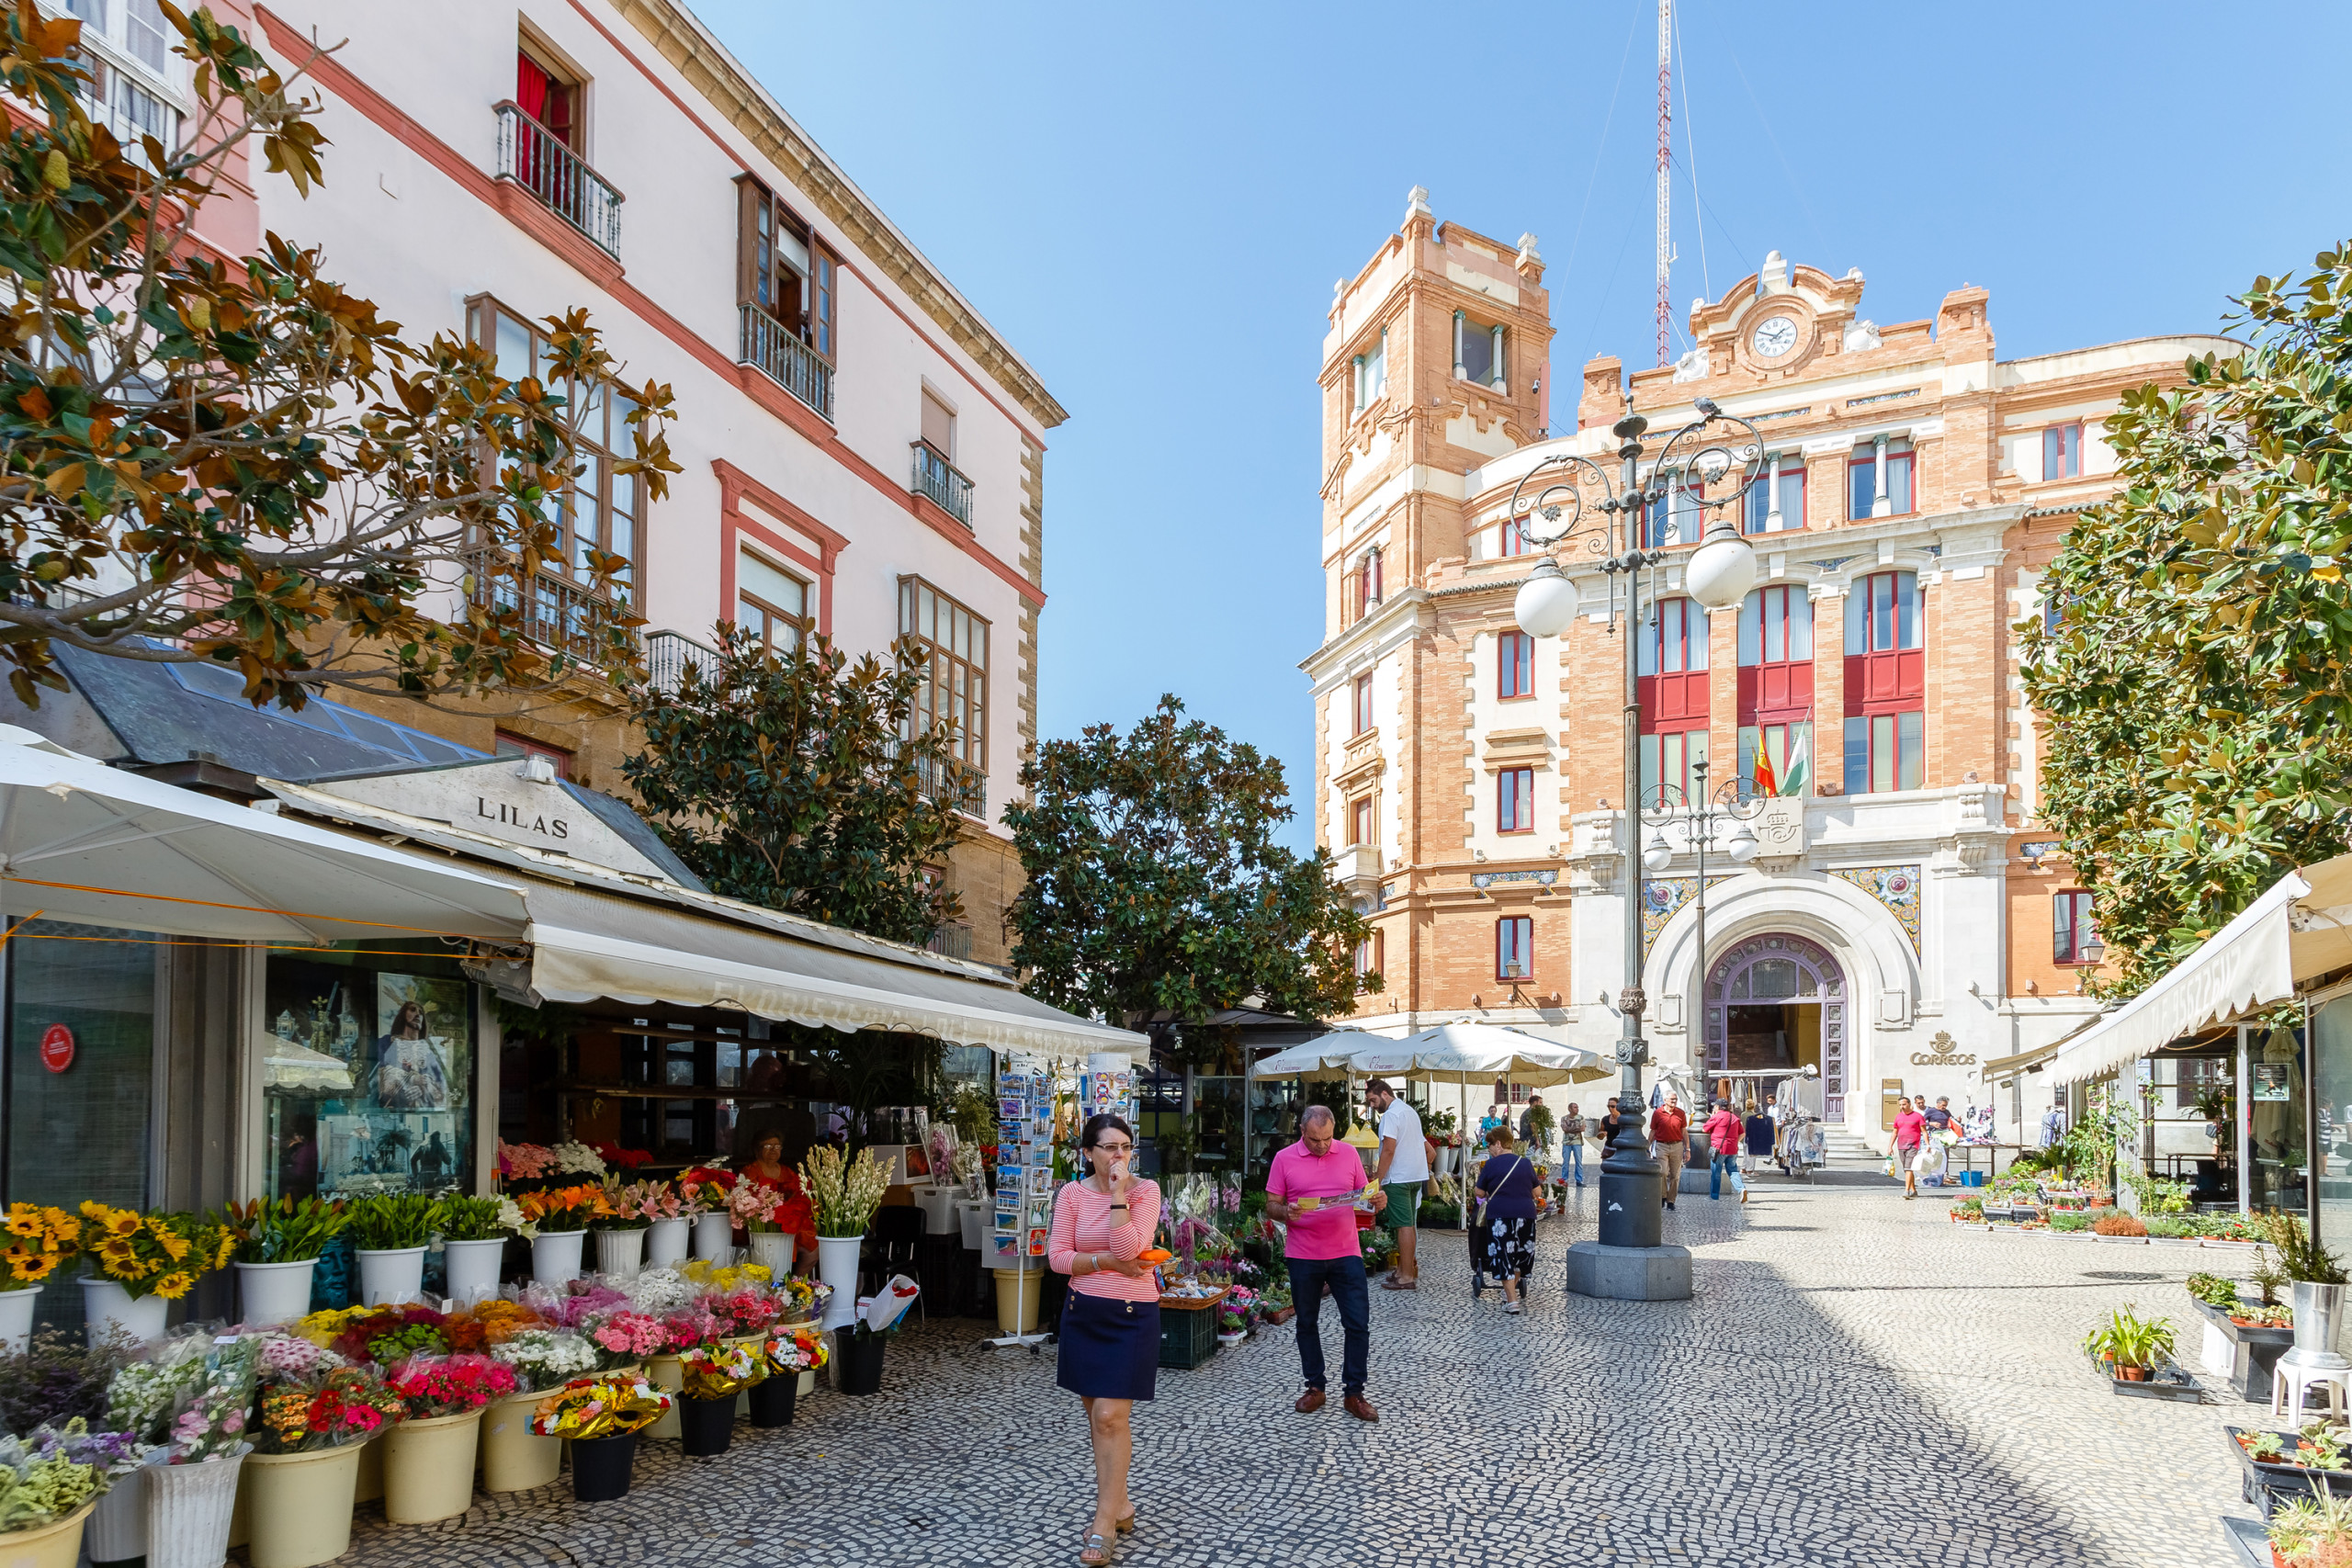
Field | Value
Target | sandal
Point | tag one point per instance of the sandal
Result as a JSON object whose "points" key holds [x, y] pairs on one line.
{"points": [[1127, 1525], [1096, 1552]]}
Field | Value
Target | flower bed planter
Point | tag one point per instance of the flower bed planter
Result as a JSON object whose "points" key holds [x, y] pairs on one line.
{"points": [[1282, 1314], [2271, 1483], [2132, 1240], [2165, 1381]]}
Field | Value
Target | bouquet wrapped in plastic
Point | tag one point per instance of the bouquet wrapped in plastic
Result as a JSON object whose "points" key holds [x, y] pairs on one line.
{"points": [[797, 1347], [719, 1371], [449, 1385], [548, 1358], [600, 1407]]}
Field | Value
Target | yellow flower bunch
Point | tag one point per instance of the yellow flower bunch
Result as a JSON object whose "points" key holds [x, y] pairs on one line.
{"points": [[321, 1328], [40, 1238], [740, 1276], [156, 1253]]}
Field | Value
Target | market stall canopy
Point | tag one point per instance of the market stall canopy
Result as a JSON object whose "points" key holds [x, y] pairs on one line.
{"points": [[586, 945], [1325, 1053], [84, 842], [1461, 1051], [2298, 930], [2001, 1070]]}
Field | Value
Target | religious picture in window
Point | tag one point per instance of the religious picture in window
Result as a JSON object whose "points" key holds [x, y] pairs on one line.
{"points": [[409, 1068]]}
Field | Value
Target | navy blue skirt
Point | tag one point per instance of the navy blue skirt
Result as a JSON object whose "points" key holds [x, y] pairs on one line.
{"points": [[1110, 1350]]}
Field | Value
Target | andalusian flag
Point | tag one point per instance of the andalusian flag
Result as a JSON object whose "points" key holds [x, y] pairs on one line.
{"points": [[1797, 760]]}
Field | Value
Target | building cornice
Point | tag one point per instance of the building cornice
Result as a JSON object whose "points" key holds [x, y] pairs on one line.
{"points": [[682, 40]]}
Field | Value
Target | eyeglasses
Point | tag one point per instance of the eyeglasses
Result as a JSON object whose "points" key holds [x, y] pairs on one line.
{"points": [[1115, 1150]]}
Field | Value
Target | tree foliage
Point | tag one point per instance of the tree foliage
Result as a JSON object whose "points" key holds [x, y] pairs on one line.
{"points": [[2194, 690], [785, 778], [1155, 884], [238, 461]]}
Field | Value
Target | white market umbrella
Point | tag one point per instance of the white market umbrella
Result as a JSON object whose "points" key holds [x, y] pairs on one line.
{"points": [[84, 842], [1333, 1050], [1466, 1050]]}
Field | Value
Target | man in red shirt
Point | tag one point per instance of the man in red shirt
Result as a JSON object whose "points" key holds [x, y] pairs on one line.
{"points": [[1724, 1129], [1309, 1188], [1669, 1125]]}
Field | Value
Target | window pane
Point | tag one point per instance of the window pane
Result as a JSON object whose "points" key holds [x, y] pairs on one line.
{"points": [[1858, 754], [1751, 623], [1694, 634], [1673, 758], [1800, 625], [1671, 620], [1747, 743], [2062, 928], [1649, 767], [1907, 586], [1477, 353], [1695, 751], [1776, 625], [1882, 752], [1791, 498], [514, 348], [1898, 484], [1646, 645], [1864, 477], [1910, 733], [1882, 612]]}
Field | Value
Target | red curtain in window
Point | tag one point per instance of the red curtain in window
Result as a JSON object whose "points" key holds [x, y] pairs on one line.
{"points": [[542, 97]]}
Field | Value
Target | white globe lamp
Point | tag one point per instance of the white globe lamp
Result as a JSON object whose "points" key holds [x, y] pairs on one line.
{"points": [[1548, 602], [1659, 855], [1743, 845], [1721, 571]]}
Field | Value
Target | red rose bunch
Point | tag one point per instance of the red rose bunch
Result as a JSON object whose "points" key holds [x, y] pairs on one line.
{"points": [[449, 1385]]}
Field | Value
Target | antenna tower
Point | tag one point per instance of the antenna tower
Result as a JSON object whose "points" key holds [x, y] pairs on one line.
{"points": [[1665, 157]]}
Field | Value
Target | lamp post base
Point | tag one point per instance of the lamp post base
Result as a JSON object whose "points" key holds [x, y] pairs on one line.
{"points": [[1629, 1273]]}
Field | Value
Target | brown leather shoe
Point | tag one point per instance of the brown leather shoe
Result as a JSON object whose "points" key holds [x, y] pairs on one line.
{"points": [[1359, 1407], [1394, 1284], [1310, 1401]]}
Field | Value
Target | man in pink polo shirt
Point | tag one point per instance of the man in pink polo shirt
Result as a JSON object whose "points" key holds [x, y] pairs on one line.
{"points": [[1309, 1188]]}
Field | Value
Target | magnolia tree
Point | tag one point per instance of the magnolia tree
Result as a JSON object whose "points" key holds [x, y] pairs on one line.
{"points": [[2195, 686], [237, 460], [1155, 884]]}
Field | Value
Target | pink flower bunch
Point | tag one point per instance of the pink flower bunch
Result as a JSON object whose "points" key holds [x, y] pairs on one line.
{"points": [[749, 1311], [655, 1200], [630, 1334], [693, 1326], [449, 1385], [754, 1203], [523, 1162], [587, 1304], [287, 1357]]}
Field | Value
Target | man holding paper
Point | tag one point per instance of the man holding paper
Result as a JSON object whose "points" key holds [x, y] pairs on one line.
{"points": [[1313, 1187]]}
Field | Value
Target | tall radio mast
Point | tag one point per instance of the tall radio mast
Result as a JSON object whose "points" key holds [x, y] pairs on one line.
{"points": [[1665, 157]]}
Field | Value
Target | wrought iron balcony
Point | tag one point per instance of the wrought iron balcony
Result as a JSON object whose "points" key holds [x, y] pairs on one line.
{"points": [[537, 159], [957, 785], [557, 612], [943, 482], [667, 654], [777, 352]]}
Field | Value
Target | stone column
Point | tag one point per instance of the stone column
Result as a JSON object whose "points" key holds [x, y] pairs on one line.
{"points": [[1459, 372], [1497, 380], [1773, 522], [1880, 505]]}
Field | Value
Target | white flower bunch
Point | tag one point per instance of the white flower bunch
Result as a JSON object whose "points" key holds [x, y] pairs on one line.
{"points": [[545, 1358], [575, 1158], [510, 1218], [655, 1292]]}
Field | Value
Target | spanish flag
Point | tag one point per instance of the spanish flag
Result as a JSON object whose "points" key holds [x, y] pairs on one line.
{"points": [[1766, 783]]}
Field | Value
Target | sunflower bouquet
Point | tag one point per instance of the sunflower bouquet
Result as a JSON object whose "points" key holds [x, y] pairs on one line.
{"points": [[719, 1371], [40, 1238], [560, 1208], [600, 1407], [155, 1254]]}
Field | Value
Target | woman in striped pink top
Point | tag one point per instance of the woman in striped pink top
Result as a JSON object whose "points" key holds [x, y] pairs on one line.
{"points": [[1110, 1327]]}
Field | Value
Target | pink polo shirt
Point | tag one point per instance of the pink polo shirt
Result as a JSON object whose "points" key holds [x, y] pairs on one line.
{"points": [[1336, 1175]]}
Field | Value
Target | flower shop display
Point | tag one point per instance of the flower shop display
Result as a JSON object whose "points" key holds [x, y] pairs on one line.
{"points": [[844, 1193], [574, 1157], [602, 1417], [1235, 1313], [473, 1244], [41, 1239], [391, 1232], [878, 1317], [43, 1502], [316, 1415], [59, 1375], [557, 1218], [276, 1248], [704, 1190], [669, 1223], [513, 1457], [627, 1339], [620, 1223], [523, 1162], [389, 1336], [191, 1499], [714, 1376], [772, 1219], [117, 1526], [429, 1456], [789, 1350], [619, 1158], [145, 1263]]}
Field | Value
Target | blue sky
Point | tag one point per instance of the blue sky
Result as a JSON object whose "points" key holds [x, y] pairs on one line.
{"points": [[1151, 204]]}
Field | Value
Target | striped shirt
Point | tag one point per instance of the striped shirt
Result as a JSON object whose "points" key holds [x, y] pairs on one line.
{"points": [[1083, 1227]]}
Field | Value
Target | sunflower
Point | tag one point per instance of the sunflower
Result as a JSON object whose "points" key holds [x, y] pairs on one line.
{"points": [[176, 1284], [29, 1266], [175, 1244], [23, 1220], [61, 1225]]}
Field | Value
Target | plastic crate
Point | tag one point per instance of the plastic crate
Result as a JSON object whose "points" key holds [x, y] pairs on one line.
{"points": [[1187, 1335]]}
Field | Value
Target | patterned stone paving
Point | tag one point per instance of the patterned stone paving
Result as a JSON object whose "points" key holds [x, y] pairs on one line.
{"points": [[1858, 1383]]}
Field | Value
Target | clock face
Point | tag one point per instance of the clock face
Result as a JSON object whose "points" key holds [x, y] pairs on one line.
{"points": [[1775, 337]]}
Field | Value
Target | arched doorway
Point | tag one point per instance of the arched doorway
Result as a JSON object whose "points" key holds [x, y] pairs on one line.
{"points": [[1777, 1000]]}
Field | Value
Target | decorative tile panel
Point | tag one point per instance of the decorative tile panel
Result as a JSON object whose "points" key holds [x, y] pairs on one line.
{"points": [[1897, 887]]}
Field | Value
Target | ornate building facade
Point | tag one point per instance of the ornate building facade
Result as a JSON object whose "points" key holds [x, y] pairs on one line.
{"points": [[1908, 920]]}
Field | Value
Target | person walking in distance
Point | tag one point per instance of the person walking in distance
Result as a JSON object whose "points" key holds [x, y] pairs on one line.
{"points": [[1402, 1169], [1939, 1120], [1506, 1191], [1909, 1127], [1308, 1187], [1110, 1326], [1724, 1129], [1572, 1142], [1669, 1127], [1761, 1129]]}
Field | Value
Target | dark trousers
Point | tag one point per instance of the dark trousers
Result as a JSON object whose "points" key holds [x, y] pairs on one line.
{"points": [[1352, 1293]]}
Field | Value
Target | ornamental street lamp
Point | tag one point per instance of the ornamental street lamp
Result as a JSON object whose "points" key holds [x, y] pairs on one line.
{"points": [[1734, 801], [1697, 471]]}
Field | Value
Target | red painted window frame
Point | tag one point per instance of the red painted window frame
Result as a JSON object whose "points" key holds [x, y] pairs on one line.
{"points": [[1514, 657], [1675, 699], [1359, 699], [2068, 434], [1892, 680], [1526, 924], [1910, 459], [2081, 916], [1515, 786], [1514, 540], [1788, 681]]}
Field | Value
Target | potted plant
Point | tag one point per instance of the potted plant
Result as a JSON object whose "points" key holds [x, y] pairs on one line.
{"points": [[2114, 1224], [2129, 1346], [38, 1239], [716, 1375], [844, 1192], [473, 1233], [877, 1318], [556, 1219], [275, 1249], [1234, 1315], [43, 1502], [2316, 1281], [789, 1349], [190, 1499], [429, 1456], [144, 1262], [705, 1191], [514, 1458], [669, 1224], [601, 1417], [620, 1222], [2312, 1532], [391, 1232], [315, 1415], [771, 1218]]}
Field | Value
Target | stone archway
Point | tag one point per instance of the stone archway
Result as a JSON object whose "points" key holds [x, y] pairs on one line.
{"points": [[1776, 966]]}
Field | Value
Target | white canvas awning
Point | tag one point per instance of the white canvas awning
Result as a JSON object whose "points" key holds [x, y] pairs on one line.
{"points": [[84, 842], [2298, 929], [586, 945]]}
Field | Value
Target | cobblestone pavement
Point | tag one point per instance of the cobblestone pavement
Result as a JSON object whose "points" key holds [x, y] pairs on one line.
{"points": [[1858, 1382]]}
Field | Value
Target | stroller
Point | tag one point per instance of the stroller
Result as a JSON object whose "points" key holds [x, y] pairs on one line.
{"points": [[1479, 1283], [1800, 1147]]}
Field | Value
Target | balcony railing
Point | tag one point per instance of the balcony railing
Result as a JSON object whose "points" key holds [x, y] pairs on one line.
{"points": [[940, 479], [775, 350], [557, 612], [537, 159], [951, 941], [667, 654], [956, 786]]}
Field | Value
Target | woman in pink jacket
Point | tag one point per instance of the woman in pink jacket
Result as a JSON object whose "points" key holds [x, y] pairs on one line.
{"points": [[1724, 1129]]}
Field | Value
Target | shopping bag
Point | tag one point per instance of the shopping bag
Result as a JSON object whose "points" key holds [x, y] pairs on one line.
{"points": [[1891, 1170], [1924, 1161]]}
